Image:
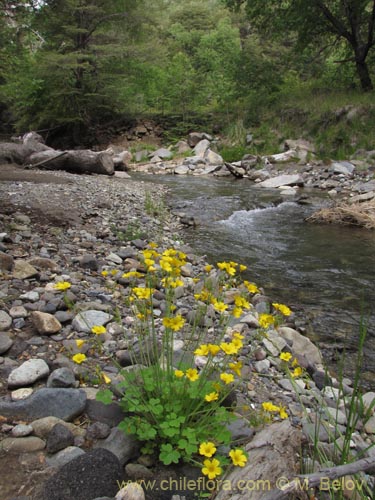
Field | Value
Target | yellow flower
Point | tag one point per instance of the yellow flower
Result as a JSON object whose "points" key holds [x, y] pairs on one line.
{"points": [[237, 335], [212, 468], [114, 272], [294, 362], [237, 312], [208, 268], [152, 244], [207, 449], [214, 349], [179, 373], [212, 396], [219, 306], [106, 379], [132, 274], [241, 302], [98, 330], [283, 414], [266, 320], [238, 457], [149, 262], [142, 293], [79, 358], [175, 323], [285, 356], [62, 285], [237, 343], [268, 406], [242, 267], [228, 348], [227, 378], [251, 287], [297, 372], [104, 273], [236, 367], [202, 350], [192, 374], [228, 267], [79, 343], [282, 308]]}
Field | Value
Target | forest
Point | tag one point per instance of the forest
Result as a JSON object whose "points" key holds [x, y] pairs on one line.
{"points": [[73, 66]]}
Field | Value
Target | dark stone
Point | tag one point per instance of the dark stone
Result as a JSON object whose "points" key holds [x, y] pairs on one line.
{"points": [[62, 377], [6, 262], [89, 261], [59, 438], [62, 403], [110, 414], [98, 430], [89, 476]]}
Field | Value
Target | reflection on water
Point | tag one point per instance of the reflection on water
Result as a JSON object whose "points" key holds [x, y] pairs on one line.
{"points": [[328, 271]]}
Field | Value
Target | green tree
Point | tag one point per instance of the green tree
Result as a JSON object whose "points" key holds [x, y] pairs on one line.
{"points": [[320, 22]]}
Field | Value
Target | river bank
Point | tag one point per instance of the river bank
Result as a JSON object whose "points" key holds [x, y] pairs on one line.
{"points": [[61, 227]]}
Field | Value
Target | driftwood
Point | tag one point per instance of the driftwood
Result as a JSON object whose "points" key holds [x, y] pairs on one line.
{"points": [[356, 214], [32, 152], [325, 478]]}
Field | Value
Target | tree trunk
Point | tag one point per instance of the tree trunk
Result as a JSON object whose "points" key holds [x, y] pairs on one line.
{"points": [[78, 161], [364, 75]]}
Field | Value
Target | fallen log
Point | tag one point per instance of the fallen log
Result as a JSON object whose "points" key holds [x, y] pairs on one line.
{"points": [[78, 161], [32, 152]]}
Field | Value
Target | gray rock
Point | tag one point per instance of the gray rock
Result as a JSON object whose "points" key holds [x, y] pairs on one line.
{"points": [[43, 426], [62, 403], [195, 137], [201, 148], [59, 438], [162, 153], [113, 257], [61, 377], [29, 372], [5, 320], [5, 342], [213, 158], [23, 270], [342, 167], [182, 147], [32, 296], [370, 425], [301, 346], [22, 430], [124, 447], [85, 320], [89, 261], [45, 323], [22, 444], [336, 415], [111, 414], [64, 456], [282, 180], [98, 430], [240, 430], [262, 366], [18, 312], [182, 169], [138, 471], [86, 477], [6, 262], [369, 401]]}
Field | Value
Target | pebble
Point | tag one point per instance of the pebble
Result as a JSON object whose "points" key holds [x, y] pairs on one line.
{"points": [[26, 444], [5, 343], [22, 430], [59, 438], [84, 321], [5, 320], [45, 323], [29, 372], [61, 377], [23, 270], [22, 393]]}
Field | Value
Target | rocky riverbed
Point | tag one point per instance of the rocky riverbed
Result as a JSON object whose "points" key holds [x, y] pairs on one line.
{"points": [[56, 440]]}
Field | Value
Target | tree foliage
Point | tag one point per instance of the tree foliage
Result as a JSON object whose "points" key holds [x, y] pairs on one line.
{"points": [[321, 22]]}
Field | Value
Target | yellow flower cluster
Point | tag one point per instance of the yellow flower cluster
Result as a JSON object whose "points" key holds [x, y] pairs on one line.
{"points": [[271, 408], [191, 374], [287, 356], [212, 467], [62, 285], [175, 323], [282, 308]]}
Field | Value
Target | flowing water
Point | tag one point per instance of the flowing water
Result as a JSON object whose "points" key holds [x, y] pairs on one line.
{"points": [[325, 273]]}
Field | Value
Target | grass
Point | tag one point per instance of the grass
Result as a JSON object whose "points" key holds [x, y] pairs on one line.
{"points": [[355, 214]]}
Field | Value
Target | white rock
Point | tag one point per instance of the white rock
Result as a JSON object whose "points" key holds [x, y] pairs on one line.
{"points": [[282, 180], [22, 393], [28, 373]]}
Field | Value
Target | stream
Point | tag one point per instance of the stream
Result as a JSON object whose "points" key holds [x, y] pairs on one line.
{"points": [[325, 273]]}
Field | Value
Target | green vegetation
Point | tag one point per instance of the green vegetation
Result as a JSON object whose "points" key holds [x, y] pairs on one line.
{"points": [[280, 69]]}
